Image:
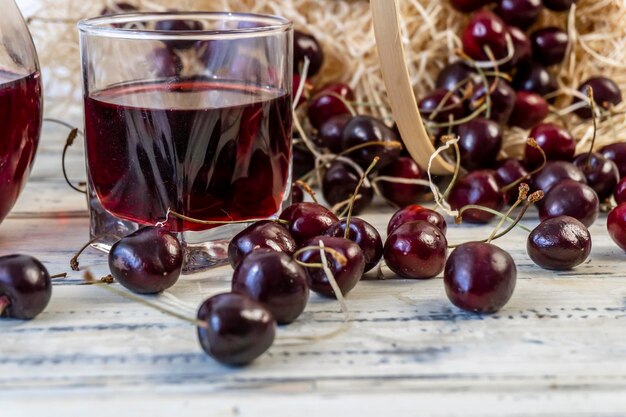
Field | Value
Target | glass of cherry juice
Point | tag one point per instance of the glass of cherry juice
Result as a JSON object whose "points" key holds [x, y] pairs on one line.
{"points": [[190, 114], [21, 105]]}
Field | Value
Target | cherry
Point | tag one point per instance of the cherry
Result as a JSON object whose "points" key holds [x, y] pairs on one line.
{"points": [[331, 132], [485, 30], [556, 142], [530, 109], [520, 13], [616, 225], [480, 143], [274, 280], [601, 173], [402, 194], [451, 108], [502, 99], [260, 235], [165, 62], [307, 220], [329, 102], [620, 192], [535, 78], [303, 162], [363, 234], [606, 94], [361, 130], [507, 172], [549, 45], [305, 45], [452, 76], [413, 213], [25, 287], [347, 274], [297, 195], [338, 185], [238, 330], [147, 261], [479, 188], [555, 172], [616, 152], [521, 48], [467, 6], [480, 277], [558, 5], [571, 198], [559, 243], [416, 250]]}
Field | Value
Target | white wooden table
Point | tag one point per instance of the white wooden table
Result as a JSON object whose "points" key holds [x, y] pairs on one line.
{"points": [[557, 349]]}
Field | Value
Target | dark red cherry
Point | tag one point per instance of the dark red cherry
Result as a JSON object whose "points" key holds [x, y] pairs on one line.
{"points": [[571, 198], [363, 129], [327, 103], [559, 243], [297, 195], [616, 152], [305, 45], [260, 235], [147, 261], [402, 194], [502, 99], [451, 108], [601, 173], [535, 78], [338, 185], [363, 234], [480, 277], [616, 225], [307, 220], [165, 62], [346, 275], [274, 280], [457, 76], [620, 192], [179, 25], [554, 172], [556, 142], [416, 250], [549, 45], [485, 30], [507, 172], [25, 287], [467, 6], [606, 94], [303, 161], [238, 331], [521, 48], [331, 132], [477, 187], [558, 5], [530, 109], [414, 213], [480, 143], [520, 13]]}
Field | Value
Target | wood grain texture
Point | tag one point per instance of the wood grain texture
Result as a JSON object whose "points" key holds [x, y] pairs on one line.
{"points": [[558, 348]]}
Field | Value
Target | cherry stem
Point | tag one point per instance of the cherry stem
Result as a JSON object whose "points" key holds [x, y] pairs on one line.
{"points": [[339, 97], [356, 192], [592, 105], [89, 278], [457, 169], [531, 142], [307, 189], [62, 123], [69, 142], [523, 194], [57, 276], [491, 211], [344, 206], [457, 122], [74, 261], [213, 222], [342, 260], [303, 76], [5, 302]]}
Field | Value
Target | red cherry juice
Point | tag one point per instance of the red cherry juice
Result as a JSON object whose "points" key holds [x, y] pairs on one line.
{"points": [[208, 150], [21, 107]]}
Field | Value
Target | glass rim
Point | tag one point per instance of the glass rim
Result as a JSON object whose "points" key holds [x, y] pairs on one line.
{"points": [[102, 25]]}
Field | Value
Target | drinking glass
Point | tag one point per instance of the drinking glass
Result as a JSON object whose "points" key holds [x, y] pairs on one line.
{"points": [[187, 114], [21, 105]]}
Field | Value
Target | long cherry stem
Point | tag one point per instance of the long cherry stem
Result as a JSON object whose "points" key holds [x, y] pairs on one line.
{"points": [[213, 222], [522, 195], [356, 192], [531, 142], [336, 255], [69, 142], [592, 104], [5, 302], [307, 189], [491, 211], [74, 261]]}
